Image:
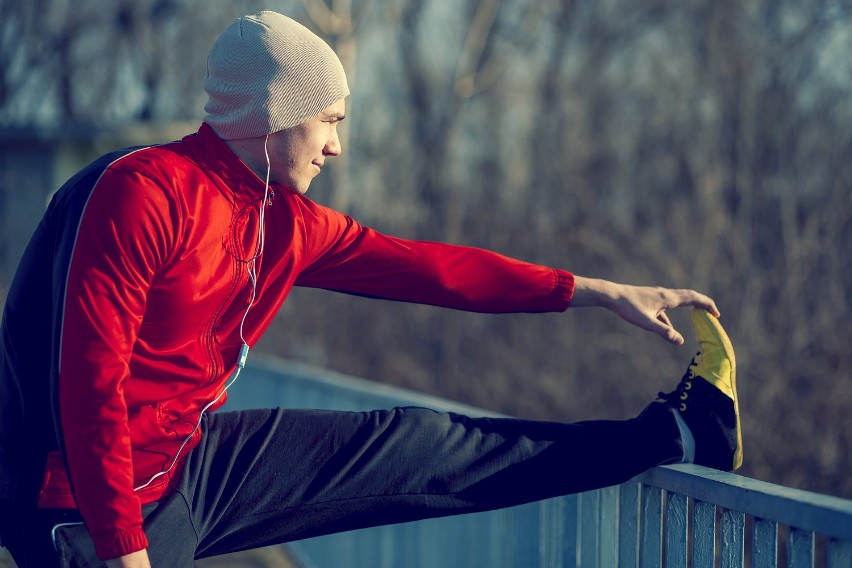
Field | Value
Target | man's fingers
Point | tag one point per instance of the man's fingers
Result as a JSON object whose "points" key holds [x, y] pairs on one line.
{"points": [[670, 334], [674, 337], [693, 298], [664, 328]]}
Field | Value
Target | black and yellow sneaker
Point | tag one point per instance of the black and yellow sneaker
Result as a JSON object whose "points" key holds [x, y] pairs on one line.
{"points": [[706, 397]]}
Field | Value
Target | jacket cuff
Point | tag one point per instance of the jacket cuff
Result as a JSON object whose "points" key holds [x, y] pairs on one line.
{"points": [[120, 542], [563, 291]]}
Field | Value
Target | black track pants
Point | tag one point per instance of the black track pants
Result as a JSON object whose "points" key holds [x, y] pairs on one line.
{"points": [[263, 477]]}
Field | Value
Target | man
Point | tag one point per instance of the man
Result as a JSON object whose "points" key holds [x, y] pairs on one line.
{"points": [[155, 270]]}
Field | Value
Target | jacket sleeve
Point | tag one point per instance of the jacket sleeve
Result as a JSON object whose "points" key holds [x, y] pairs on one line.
{"points": [[123, 232], [344, 256]]}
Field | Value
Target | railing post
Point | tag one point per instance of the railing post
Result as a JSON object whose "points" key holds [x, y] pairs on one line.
{"points": [[572, 519], [733, 529], [677, 528], [652, 527], [801, 549], [703, 534], [628, 524], [558, 534], [608, 533], [839, 553], [764, 547], [589, 528]]}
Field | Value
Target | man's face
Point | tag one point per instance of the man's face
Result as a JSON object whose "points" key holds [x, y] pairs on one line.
{"points": [[297, 154]]}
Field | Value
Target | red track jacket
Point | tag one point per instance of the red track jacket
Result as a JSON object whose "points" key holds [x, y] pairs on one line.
{"points": [[123, 319]]}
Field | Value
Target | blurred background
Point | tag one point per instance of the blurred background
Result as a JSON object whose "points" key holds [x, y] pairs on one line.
{"points": [[690, 143]]}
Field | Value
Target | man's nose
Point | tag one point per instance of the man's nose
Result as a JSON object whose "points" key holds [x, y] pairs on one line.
{"points": [[333, 147]]}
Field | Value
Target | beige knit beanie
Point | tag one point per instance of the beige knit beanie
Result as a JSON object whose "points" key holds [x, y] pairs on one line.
{"points": [[266, 73]]}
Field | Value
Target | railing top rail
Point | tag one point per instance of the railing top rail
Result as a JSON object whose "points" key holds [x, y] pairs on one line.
{"points": [[806, 510], [359, 388]]}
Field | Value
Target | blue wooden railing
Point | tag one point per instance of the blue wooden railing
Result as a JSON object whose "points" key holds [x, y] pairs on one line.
{"points": [[669, 516]]}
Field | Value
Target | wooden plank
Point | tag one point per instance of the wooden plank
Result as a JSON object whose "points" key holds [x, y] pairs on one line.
{"points": [[589, 529], [839, 554], [651, 530], [677, 529], [764, 546], [703, 534], [571, 506], [608, 527], [801, 549], [733, 540], [628, 525], [525, 523], [553, 533]]}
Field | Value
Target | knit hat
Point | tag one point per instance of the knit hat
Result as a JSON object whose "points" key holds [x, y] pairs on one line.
{"points": [[266, 73]]}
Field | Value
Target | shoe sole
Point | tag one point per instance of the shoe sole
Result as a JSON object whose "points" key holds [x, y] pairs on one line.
{"points": [[706, 325]]}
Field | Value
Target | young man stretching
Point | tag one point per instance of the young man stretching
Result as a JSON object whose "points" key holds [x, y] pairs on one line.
{"points": [[155, 270]]}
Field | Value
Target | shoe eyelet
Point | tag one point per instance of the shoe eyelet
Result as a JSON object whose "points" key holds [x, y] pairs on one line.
{"points": [[683, 407], [687, 385], [683, 396]]}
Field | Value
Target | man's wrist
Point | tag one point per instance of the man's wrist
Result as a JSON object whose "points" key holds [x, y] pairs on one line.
{"points": [[592, 292], [138, 559]]}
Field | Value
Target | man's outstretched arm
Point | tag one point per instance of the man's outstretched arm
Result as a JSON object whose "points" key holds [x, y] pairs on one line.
{"points": [[345, 256], [643, 306]]}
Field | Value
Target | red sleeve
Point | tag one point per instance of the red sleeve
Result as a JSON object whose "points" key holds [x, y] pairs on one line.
{"points": [[347, 257], [123, 232]]}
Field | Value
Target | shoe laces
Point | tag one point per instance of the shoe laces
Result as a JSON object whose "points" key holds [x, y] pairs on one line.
{"points": [[678, 397]]}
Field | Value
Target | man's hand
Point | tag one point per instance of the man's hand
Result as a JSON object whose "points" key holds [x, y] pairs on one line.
{"points": [[138, 559], [643, 306]]}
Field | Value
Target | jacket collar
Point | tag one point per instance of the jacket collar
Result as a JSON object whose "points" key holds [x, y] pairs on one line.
{"points": [[220, 164]]}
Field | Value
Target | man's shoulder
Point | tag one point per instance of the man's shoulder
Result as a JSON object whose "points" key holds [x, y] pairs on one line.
{"points": [[161, 159]]}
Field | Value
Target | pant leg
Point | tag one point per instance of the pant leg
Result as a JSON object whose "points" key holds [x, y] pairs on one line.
{"points": [[270, 476], [53, 538]]}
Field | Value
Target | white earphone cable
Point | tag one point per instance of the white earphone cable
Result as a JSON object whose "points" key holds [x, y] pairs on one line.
{"points": [[244, 348]]}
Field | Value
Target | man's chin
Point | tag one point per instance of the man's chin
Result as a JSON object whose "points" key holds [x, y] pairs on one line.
{"points": [[296, 188]]}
